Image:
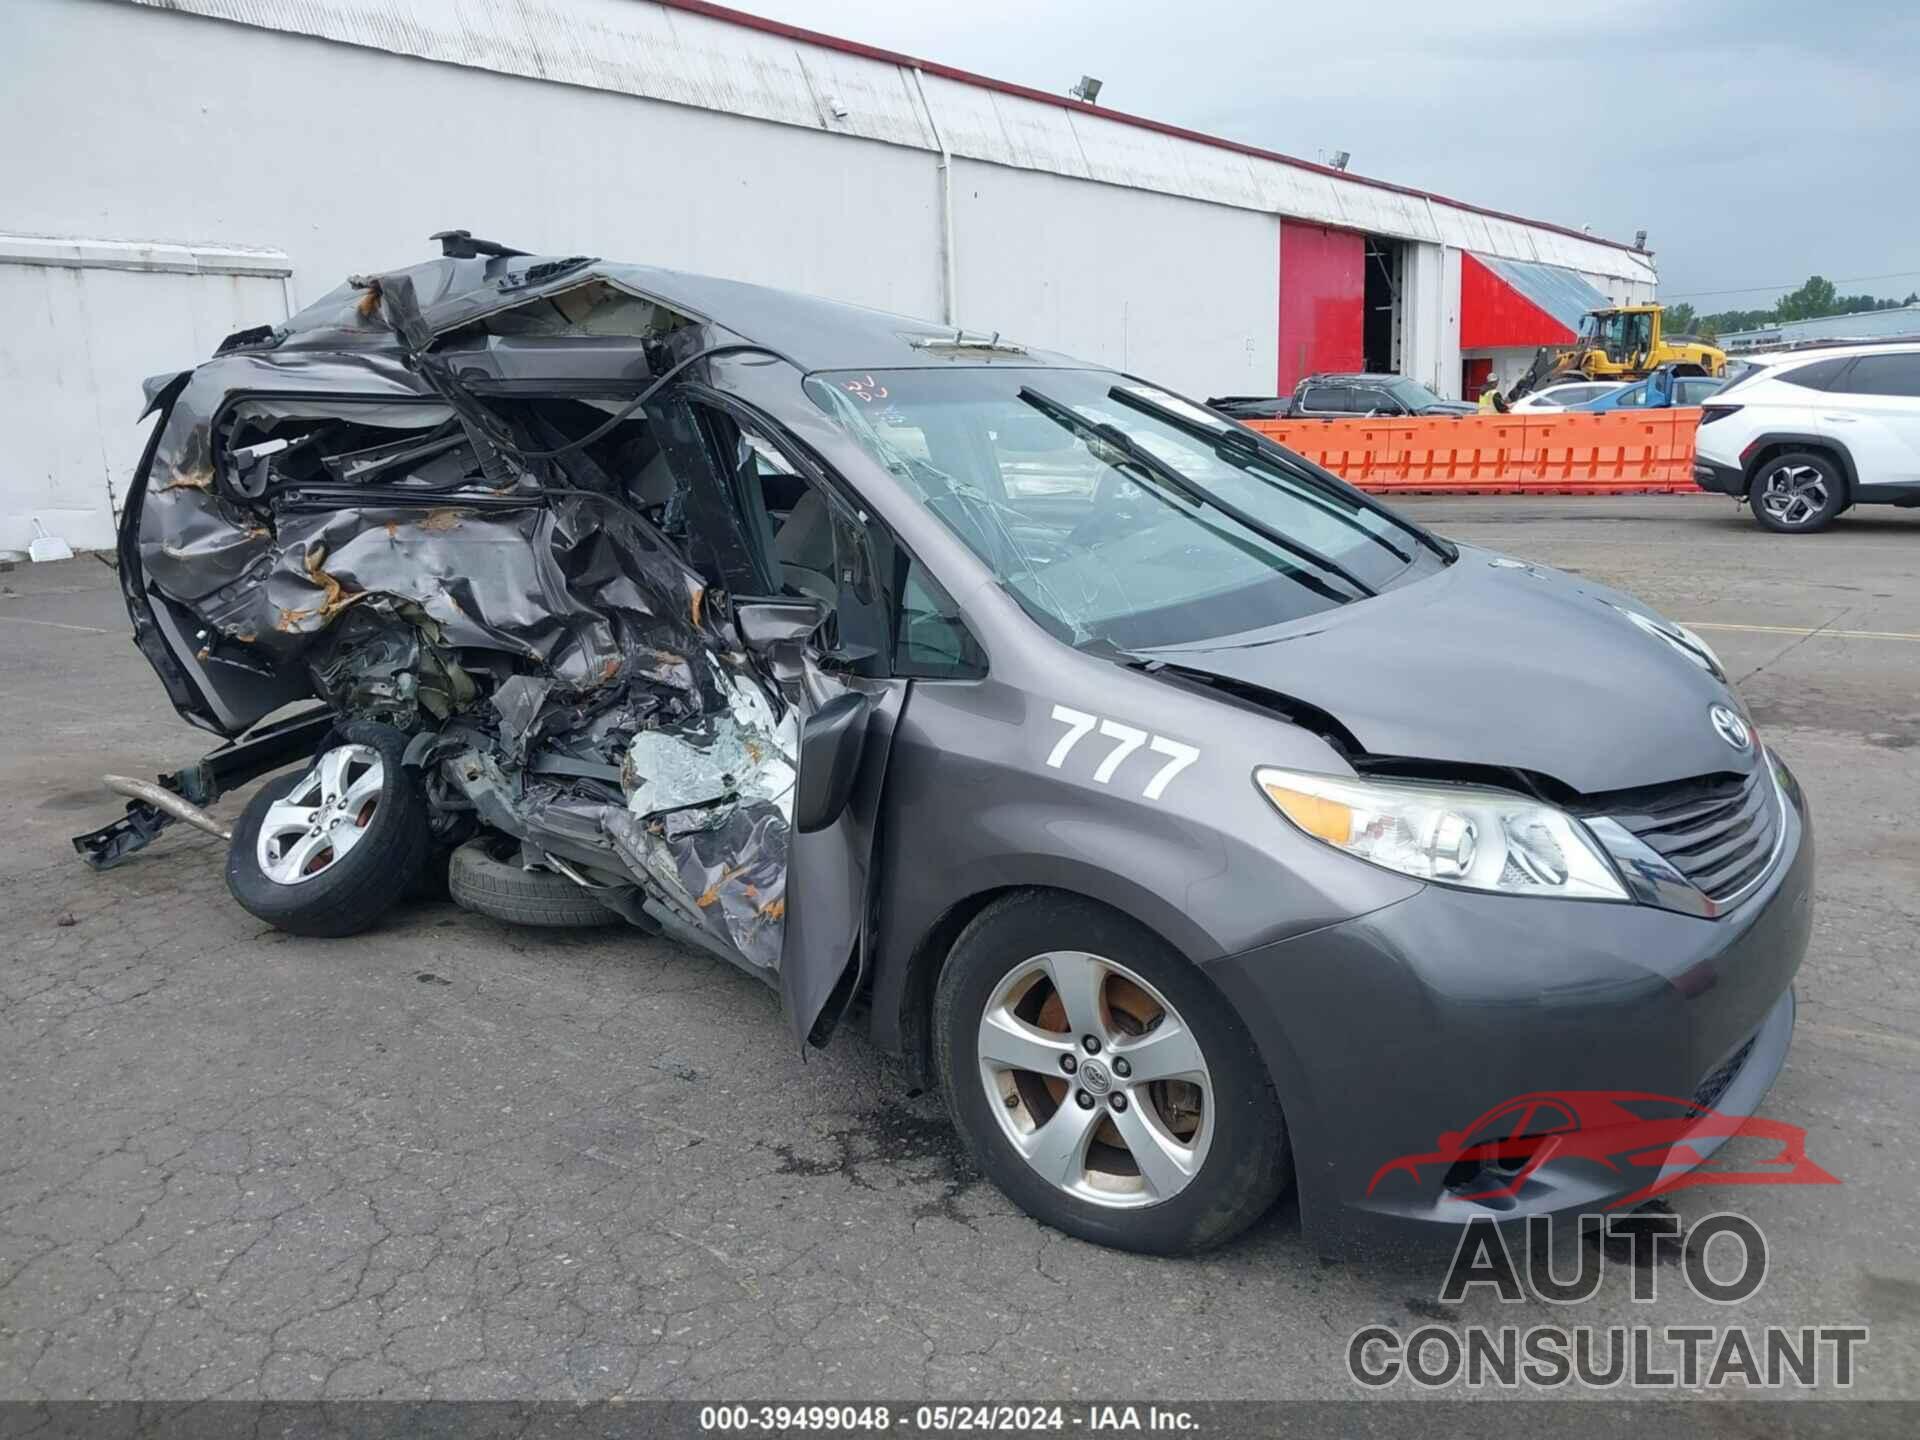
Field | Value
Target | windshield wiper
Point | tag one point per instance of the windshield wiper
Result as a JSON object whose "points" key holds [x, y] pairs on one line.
{"points": [[1151, 464], [1237, 437]]}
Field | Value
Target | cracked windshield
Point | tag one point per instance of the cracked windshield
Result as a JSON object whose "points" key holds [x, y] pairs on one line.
{"points": [[1116, 513]]}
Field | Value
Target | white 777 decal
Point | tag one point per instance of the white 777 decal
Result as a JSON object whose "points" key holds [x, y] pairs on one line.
{"points": [[1079, 724]]}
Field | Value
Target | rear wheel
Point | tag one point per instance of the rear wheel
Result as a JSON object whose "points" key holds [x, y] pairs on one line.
{"points": [[1797, 493], [1102, 1081]]}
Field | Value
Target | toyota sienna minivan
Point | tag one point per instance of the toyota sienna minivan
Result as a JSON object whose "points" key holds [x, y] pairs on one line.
{"points": [[1198, 824]]}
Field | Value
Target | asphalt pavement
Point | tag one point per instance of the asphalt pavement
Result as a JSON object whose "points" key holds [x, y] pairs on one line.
{"points": [[448, 1158]]}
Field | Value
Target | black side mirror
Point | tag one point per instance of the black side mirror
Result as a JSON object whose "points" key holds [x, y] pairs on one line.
{"points": [[830, 746], [765, 625]]}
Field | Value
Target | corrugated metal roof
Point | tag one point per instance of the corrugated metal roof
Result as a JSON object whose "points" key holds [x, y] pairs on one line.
{"points": [[689, 52], [1562, 293], [1867, 325]]}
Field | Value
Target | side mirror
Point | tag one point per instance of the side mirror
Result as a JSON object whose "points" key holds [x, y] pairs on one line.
{"points": [[1660, 389], [830, 746], [765, 625]]}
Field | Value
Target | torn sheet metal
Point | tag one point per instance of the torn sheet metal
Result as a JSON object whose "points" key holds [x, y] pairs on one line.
{"points": [[318, 514]]}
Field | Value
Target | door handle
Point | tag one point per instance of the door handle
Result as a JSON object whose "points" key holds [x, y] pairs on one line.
{"points": [[1839, 419]]}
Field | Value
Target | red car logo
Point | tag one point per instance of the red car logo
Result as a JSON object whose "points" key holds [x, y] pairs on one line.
{"points": [[1625, 1131]]}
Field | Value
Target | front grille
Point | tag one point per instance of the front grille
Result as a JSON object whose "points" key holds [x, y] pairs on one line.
{"points": [[1707, 1094], [1719, 832]]}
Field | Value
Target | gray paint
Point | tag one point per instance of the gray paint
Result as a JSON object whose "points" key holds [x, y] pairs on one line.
{"points": [[1379, 1003]]}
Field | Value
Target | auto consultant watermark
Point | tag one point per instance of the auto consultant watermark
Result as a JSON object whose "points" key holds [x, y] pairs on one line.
{"points": [[1641, 1356], [1528, 1151]]}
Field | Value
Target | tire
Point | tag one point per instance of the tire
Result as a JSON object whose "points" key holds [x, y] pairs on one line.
{"points": [[364, 853], [1227, 1170], [485, 877], [1797, 493]]}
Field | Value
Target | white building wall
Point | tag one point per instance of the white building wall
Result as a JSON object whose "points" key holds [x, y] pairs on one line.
{"points": [[253, 153], [348, 158], [1108, 274], [343, 134], [657, 51], [84, 326]]}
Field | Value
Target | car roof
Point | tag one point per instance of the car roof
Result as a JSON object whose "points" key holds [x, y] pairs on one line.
{"points": [[814, 333], [1338, 375], [1828, 351]]}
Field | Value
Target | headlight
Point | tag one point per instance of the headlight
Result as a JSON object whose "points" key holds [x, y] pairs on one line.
{"points": [[1452, 834]]}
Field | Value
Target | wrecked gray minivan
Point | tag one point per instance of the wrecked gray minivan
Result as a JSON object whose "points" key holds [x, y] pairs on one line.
{"points": [[1191, 818]]}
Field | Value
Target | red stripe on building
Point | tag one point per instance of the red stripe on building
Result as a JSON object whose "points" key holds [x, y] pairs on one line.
{"points": [[1494, 315]]}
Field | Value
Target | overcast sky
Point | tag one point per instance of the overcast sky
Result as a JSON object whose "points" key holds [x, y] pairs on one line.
{"points": [[1757, 141]]}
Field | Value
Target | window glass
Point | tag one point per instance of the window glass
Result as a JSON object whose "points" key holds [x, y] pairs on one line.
{"points": [[590, 309], [1412, 394], [1883, 375], [1327, 397], [1093, 536], [1632, 397], [1818, 376], [931, 641]]}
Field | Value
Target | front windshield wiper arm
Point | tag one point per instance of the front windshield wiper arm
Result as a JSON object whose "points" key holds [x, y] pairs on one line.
{"points": [[1144, 459], [1245, 445], [1234, 436], [1251, 442]]}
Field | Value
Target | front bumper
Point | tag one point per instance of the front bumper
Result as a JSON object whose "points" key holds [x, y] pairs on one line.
{"points": [[1721, 479], [1389, 1030]]}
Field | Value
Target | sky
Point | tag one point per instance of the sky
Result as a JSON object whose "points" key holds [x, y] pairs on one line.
{"points": [[1756, 141]]}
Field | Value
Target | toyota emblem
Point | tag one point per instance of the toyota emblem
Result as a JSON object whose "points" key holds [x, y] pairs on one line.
{"points": [[1731, 728]]}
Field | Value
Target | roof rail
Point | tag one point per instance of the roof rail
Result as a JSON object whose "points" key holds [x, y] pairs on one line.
{"points": [[460, 245]]}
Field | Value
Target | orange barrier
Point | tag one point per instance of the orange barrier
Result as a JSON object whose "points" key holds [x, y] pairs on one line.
{"points": [[1536, 452]]}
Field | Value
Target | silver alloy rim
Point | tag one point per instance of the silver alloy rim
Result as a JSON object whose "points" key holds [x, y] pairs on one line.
{"points": [[1794, 494], [316, 824], [1096, 1080]]}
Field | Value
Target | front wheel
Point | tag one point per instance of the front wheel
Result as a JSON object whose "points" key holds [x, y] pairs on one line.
{"points": [[1102, 1081], [1797, 493]]}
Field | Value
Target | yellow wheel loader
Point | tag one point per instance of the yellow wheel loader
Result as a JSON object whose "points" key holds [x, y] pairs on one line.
{"points": [[1623, 343]]}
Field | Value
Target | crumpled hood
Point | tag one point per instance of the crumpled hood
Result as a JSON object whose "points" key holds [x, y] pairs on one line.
{"points": [[1495, 662]]}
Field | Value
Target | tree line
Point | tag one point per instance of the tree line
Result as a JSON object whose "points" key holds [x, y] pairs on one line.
{"points": [[1814, 300]]}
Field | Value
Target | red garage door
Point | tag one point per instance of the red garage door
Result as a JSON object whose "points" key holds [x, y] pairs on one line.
{"points": [[1323, 285]]}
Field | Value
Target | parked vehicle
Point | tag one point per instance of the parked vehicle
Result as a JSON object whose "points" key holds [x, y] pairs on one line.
{"points": [[1562, 397], [1252, 407], [1812, 434], [1340, 396], [1655, 394], [1188, 816]]}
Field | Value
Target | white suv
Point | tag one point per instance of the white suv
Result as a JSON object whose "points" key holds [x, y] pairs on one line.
{"points": [[1811, 434]]}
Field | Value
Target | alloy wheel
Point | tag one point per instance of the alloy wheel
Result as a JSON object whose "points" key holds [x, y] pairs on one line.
{"points": [[1096, 1080], [315, 824], [1793, 495]]}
